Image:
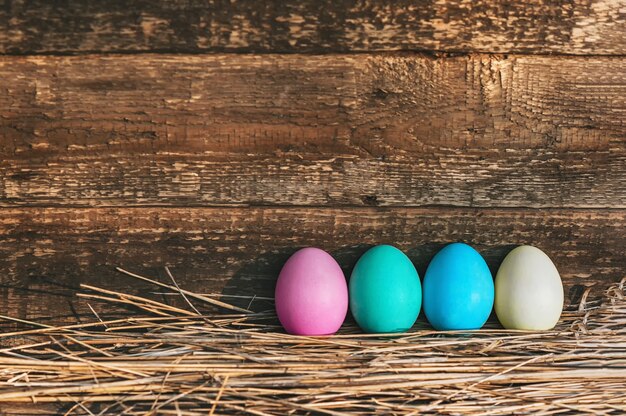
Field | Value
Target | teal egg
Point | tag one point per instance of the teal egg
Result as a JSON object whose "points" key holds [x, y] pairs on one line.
{"points": [[385, 291]]}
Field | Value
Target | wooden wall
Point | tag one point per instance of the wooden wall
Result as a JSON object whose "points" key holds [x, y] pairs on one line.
{"points": [[218, 137]]}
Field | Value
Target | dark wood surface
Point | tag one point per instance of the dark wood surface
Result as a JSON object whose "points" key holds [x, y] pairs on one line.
{"points": [[388, 130], [324, 128], [218, 137], [47, 252], [534, 26]]}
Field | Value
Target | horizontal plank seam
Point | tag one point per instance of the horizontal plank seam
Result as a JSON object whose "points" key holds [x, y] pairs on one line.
{"points": [[319, 207], [428, 52]]}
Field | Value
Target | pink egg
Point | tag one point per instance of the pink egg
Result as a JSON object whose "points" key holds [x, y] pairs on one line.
{"points": [[311, 293]]}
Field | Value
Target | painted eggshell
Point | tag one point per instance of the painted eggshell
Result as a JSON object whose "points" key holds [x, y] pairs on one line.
{"points": [[385, 291], [458, 289], [311, 294], [529, 291]]}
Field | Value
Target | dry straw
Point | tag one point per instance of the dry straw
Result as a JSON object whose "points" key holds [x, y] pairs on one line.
{"points": [[179, 361]]}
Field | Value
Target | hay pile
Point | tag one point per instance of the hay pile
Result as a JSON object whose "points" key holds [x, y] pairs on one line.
{"points": [[172, 360]]}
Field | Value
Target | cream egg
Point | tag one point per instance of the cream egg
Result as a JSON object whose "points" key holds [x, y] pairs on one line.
{"points": [[529, 291]]}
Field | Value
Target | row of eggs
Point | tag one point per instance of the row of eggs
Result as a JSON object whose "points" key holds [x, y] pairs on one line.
{"points": [[385, 293]]}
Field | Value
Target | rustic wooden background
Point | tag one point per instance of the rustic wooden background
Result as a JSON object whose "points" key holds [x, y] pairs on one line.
{"points": [[218, 137]]}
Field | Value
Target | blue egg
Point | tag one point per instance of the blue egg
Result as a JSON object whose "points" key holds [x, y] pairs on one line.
{"points": [[458, 290]]}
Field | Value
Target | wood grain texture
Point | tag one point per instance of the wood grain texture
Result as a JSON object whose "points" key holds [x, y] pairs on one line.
{"points": [[534, 26], [389, 130], [47, 252]]}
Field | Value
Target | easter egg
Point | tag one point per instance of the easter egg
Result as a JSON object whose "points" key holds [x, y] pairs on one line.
{"points": [[311, 294], [529, 291], [385, 291], [458, 289]]}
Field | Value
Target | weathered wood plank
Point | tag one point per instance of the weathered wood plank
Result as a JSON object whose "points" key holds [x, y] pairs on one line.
{"points": [[46, 252], [482, 178], [534, 26], [396, 130]]}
